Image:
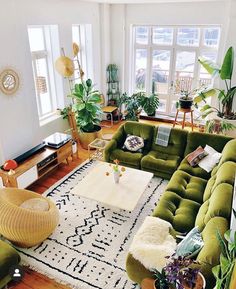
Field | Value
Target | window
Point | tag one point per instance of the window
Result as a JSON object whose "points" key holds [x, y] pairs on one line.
{"points": [[44, 47], [82, 35], [163, 56]]}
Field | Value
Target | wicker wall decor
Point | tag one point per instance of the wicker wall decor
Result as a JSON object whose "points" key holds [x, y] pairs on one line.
{"points": [[9, 81]]}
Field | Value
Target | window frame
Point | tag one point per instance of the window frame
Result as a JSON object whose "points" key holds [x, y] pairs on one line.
{"points": [[48, 55], [173, 48]]}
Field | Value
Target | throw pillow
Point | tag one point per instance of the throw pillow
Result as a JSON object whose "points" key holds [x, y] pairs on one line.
{"points": [[194, 157], [35, 204], [210, 161], [191, 244], [133, 143]]}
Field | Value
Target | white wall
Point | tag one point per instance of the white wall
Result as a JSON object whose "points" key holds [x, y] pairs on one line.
{"points": [[19, 125], [124, 16]]}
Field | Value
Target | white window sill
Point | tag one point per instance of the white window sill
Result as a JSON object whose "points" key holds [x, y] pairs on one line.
{"points": [[49, 119]]}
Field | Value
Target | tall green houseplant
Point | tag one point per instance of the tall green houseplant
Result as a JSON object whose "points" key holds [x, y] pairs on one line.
{"points": [[226, 95], [87, 106]]}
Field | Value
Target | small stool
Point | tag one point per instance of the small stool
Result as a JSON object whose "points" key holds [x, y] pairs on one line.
{"points": [[184, 110]]}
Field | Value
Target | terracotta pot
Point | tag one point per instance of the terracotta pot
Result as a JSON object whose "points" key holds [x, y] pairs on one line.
{"points": [[233, 279], [86, 138], [200, 282]]}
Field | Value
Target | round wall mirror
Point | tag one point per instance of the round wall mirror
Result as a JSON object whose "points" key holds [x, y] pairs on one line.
{"points": [[9, 81]]}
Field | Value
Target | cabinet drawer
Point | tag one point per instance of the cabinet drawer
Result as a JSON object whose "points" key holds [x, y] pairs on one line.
{"points": [[27, 178]]}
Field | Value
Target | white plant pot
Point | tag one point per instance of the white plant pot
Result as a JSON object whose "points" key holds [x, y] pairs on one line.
{"points": [[231, 133], [116, 176]]}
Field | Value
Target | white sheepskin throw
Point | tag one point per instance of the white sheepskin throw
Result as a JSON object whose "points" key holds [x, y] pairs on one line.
{"points": [[152, 243]]}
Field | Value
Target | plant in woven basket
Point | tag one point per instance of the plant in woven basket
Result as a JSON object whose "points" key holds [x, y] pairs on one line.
{"points": [[87, 106]]}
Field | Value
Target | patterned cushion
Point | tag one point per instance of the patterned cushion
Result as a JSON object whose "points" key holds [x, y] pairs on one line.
{"points": [[134, 143], [195, 157]]}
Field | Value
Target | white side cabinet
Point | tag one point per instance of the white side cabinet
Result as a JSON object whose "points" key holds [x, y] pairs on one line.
{"points": [[1, 183], [27, 178]]}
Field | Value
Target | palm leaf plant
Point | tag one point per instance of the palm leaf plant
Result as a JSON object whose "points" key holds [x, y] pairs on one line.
{"points": [[225, 96], [87, 106], [223, 272]]}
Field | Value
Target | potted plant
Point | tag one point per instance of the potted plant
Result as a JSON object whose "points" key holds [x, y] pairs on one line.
{"points": [[138, 101], [225, 272], [132, 105], [178, 274], [149, 103], [225, 96], [217, 126], [87, 111], [185, 100]]}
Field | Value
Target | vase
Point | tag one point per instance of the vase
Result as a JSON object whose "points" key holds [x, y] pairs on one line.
{"points": [[116, 175]]}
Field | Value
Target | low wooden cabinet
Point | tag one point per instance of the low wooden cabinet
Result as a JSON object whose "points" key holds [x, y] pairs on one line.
{"points": [[36, 166]]}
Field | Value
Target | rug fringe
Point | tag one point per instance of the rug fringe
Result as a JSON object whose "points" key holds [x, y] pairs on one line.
{"points": [[50, 276]]}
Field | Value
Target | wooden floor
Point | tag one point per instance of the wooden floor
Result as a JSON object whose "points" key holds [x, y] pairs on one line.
{"points": [[33, 280]]}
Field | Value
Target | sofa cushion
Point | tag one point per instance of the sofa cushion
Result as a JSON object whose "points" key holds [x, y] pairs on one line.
{"points": [[210, 252], [196, 156], [209, 256], [142, 130], [158, 161], [225, 174], [196, 139], [133, 143], [180, 212], [187, 186], [218, 195], [8, 258], [126, 158], [194, 171], [229, 152], [176, 145]]}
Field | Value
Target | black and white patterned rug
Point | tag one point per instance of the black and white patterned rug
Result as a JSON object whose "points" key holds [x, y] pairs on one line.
{"points": [[89, 247]]}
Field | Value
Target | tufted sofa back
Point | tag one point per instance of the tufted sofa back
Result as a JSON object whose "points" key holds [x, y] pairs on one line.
{"points": [[196, 139], [139, 129], [176, 145], [218, 194]]}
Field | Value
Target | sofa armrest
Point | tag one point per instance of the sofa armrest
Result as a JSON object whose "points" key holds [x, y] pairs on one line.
{"points": [[108, 149], [119, 136]]}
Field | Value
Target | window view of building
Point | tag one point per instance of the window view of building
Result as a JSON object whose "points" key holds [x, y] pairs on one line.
{"points": [[168, 55]]}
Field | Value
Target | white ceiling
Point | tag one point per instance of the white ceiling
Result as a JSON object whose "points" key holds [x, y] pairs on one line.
{"points": [[149, 1]]}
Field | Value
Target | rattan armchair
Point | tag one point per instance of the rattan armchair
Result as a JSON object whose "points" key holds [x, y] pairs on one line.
{"points": [[24, 227]]}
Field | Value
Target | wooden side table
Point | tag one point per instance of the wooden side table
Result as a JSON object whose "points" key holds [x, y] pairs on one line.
{"points": [[184, 110], [98, 145]]}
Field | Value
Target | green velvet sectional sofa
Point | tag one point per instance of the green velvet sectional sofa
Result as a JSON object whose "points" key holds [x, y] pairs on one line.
{"points": [[193, 197], [8, 258]]}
